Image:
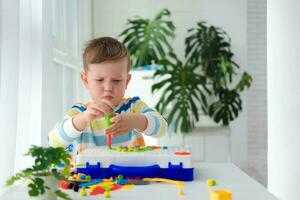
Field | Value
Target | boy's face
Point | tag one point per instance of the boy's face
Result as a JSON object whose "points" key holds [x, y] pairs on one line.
{"points": [[107, 80]]}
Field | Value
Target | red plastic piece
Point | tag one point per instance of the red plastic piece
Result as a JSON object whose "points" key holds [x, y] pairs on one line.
{"points": [[97, 190], [116, 187], [63, 185], [108, 140]]}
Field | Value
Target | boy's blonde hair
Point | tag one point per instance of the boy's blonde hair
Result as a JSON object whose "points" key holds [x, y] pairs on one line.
{"points": [[104, 49]]}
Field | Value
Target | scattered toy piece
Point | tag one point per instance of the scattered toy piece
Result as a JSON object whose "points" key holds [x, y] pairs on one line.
{"points": [[178, 183], [83, 192], [107, 194], [138, 182], [211, 182], [127, 187], [97, 190], [220, 195]]}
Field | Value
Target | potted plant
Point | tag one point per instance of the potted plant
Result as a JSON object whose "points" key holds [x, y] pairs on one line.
{"points": [[208, 53], [43, 176], [204, 79]]}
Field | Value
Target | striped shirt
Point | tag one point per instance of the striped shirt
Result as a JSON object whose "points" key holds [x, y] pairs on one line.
{"points": [[64, 133]]}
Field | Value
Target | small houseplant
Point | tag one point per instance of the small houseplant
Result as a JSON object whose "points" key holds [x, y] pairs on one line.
{"points": [[46, 160], [204, 79]]}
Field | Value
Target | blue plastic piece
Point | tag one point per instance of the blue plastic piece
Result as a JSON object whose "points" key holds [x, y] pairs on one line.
{"points": [[70, 148], [95, 181], [174, 172]]}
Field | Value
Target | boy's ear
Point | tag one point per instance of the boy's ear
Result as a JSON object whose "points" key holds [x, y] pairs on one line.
{"points": [[84, 80], [128, 79]]}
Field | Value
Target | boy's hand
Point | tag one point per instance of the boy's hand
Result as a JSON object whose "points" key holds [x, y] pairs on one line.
{"points": [[124, 123], [97, 109]]}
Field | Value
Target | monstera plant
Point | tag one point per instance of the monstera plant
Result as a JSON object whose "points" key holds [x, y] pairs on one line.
{"points": [[148, 40], [204, 79]]}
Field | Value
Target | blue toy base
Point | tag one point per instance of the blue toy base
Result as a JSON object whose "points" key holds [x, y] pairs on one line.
{"points": [[174, 172]]}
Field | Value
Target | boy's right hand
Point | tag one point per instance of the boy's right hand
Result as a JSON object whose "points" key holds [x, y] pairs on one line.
{"points": [[97, 109]]}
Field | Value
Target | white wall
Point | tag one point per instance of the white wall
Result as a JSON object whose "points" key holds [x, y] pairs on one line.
{"points": [[284, 98], [110, 16], [257, 95]]}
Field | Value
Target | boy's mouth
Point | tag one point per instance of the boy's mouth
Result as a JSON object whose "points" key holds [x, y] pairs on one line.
{"points": [[107, 97]]}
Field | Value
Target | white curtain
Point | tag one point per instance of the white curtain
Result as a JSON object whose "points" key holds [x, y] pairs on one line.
{"points": [[40, 61], [25, 40]]}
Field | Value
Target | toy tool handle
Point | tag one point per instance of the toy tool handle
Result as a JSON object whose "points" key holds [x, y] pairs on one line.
{"points": [[107, 122]]}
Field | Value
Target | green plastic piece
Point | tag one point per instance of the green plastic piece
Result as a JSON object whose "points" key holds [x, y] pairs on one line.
{"points": [[107, 122]]}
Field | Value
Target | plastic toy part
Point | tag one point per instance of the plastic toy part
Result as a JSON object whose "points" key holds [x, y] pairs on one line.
{"points": [[182, 153], [107, 194], [107, 123], [178, 183], [134, 149], [97, 190], [220, 195], [83, 192], [63, 185], [137, 161], [173, 172], [127, 187], [211, 182]]}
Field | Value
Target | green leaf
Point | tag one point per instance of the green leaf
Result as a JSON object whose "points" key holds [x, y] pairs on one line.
{"points": [[44, 159], [62, 195], [147, 40]]}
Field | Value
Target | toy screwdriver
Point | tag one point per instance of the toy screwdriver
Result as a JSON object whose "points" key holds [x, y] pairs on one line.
{"points": [[107, 124]]}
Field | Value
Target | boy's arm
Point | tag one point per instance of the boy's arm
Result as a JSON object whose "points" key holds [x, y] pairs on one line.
{"points": [[157, 125], [64, 132]]}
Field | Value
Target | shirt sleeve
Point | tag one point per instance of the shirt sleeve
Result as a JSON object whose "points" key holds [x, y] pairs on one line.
{"points": [[157, 124], [64, 132]]}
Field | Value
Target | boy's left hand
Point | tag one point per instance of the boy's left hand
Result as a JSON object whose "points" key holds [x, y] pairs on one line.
{"points": [[122, 124]]}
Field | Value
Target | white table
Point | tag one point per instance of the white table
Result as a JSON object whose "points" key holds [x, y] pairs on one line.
{"points": [[227, 175]]}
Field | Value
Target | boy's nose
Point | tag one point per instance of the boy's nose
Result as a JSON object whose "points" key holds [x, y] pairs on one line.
{"points": [[108, 86]]}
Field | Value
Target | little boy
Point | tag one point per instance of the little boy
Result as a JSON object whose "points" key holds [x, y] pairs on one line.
{"points": [[106, 77]]}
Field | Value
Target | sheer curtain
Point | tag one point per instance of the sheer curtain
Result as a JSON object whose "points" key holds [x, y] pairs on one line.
{"points": [[39, 73], [24, 48]]}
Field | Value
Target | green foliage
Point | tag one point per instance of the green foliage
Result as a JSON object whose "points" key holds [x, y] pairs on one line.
{"points": [[205, 79], [45, 159], [210, 46], [148, 40], [180, 85], [62, 195]]}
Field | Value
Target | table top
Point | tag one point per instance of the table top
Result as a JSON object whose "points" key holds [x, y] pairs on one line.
{"points": [[227, 175]]}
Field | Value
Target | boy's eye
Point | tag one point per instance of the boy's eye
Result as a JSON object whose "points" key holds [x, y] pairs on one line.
{"points": [[117, 80], [100, 80]]}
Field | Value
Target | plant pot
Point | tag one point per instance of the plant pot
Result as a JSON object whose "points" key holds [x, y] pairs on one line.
{"points": [[52, 183]]}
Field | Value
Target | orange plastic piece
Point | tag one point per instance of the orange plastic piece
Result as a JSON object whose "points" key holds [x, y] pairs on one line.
{"points": [[138, 141], [182, 153]]}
